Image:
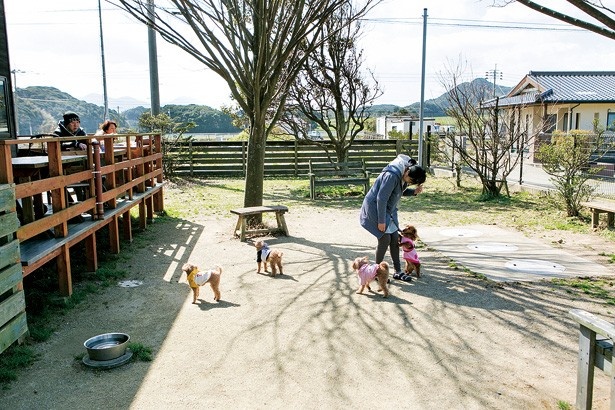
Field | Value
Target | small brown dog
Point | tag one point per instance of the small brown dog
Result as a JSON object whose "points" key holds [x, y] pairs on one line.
{"points": [[196, 279], [370, 271], [407, 242], [266, 255]]}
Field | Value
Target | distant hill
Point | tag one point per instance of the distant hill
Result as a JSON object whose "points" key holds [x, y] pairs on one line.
{"points": [[436, 107], [40, 108], [119, 104]]}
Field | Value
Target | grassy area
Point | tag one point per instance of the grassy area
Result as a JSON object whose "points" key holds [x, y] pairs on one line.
{"points": [[440, 202]]}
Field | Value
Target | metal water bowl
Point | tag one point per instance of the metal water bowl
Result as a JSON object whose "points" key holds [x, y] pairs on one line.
{"points": [[107, 346]]}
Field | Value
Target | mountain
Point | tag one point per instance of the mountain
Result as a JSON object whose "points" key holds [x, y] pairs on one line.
{"points": [[119, 104], [436, 107], [40, 108]]}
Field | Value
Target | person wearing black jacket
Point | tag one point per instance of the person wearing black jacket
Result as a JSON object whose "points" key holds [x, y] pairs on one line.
{"points": [[70, 126]]}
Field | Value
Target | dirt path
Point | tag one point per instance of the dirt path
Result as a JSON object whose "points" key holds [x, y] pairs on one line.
{"points": [[305, 339]]}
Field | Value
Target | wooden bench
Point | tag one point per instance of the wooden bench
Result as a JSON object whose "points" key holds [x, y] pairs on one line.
{"points": [[595, 350], [338, 173], [598, 207], [244, 213]]}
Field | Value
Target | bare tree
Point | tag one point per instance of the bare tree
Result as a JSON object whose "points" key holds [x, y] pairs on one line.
{"points": [[331, 90], [489, 140], [256, 46], [594, 10]]}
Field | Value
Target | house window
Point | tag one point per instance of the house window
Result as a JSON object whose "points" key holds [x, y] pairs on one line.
{"points": [[550, 123], [565, 122], [610, 121]]}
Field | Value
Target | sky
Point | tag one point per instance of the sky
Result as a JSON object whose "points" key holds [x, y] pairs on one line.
{"points": [[57, 44]]}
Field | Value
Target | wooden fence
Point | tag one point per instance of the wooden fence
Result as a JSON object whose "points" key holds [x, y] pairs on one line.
{"points": [[12, 301], [282, 158]]}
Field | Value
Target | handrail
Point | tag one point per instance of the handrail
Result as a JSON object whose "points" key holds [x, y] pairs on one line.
{"points": [[136, 165]]}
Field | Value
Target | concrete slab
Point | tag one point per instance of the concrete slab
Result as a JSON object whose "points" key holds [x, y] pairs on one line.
{"points": [[502, 255]]}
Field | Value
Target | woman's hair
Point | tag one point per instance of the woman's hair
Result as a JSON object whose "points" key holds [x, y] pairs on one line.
{"points": [[417, 174], [105, 125]]}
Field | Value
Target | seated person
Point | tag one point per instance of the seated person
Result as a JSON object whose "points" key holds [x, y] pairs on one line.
{"points": [[70, 126], [107, 127]]}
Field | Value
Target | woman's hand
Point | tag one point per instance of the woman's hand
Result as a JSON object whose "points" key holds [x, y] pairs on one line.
{"points": [[418, 189], [381, 227]]}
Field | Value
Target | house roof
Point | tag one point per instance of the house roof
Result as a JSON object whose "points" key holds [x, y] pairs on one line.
{"points": [[561, 87]]}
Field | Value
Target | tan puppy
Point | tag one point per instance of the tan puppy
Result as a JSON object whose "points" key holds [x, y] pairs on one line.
{"points": [[196, 279], [266, 255], [407, 241], [369, 271]]}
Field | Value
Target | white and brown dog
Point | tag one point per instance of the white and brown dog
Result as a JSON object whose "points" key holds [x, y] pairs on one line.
{"points": [[371, 271], [196, 279], [265, 255]]}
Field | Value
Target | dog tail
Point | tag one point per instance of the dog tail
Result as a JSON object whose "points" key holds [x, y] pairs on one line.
{"points": [[219, 269]]}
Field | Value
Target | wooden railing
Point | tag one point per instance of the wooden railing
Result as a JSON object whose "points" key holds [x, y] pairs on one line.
{"points": [[114, 174], [595, 350], [121, 168]]}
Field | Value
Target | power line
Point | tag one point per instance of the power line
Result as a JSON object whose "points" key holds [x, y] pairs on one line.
{"points": [[511, 25]]}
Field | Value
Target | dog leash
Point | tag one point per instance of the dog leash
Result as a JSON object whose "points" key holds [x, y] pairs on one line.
{"points": [[394, 223]]}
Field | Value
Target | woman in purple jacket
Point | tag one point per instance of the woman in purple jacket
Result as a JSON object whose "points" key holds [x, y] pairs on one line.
{"points": [[379, 210]]}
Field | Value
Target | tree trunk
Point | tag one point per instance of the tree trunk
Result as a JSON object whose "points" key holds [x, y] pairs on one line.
{"points": [[255, 170]]}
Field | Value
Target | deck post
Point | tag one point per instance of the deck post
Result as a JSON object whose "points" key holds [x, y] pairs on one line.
{"points": [[129, 171], [91, 257], [6, 168], [111, 180], [142, 215], [114, 235], [58, 197], [149, 206], [100, 210], [64, 274], [158, 150], [127, 226], [158, 202]]}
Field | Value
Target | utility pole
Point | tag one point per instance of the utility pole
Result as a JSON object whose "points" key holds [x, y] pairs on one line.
{"points": [[104, 71], [495, 73], [421, 144], [153, 60]]}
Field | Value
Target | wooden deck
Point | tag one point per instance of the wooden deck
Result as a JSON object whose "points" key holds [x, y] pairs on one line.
{"points": [[83, 200]]}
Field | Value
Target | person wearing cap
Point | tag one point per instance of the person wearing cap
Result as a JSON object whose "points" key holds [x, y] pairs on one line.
{"points": [[379, 210], [70, 126]]}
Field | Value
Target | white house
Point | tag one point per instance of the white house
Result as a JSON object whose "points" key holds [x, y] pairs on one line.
{"points": [[546, 101], [402, 123]]}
